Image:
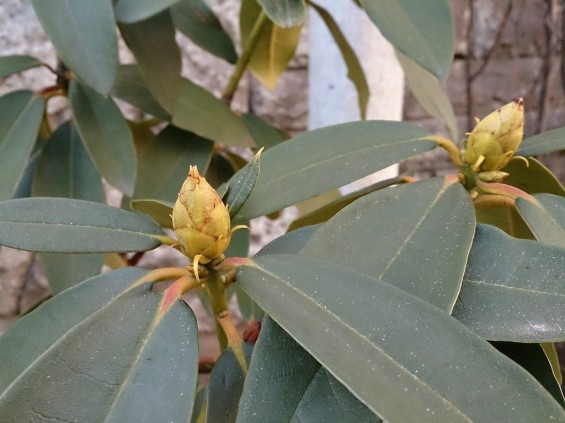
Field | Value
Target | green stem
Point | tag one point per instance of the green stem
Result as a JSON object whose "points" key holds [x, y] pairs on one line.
{"points": [[244, 59], [216, 291]]}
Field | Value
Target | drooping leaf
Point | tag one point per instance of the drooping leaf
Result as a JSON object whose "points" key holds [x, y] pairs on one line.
{"points": [[26, 181], [200, 404], [328, 158], [546, 142], [106, 136], [225, 386], [247, 307], [198, 111], [159, 211], [263, 134], [17, 63], [61, 225], [83, 32], [199, 23], [285, 13], [274, 48], [287, 382], [354, 70], [153, 44], [513, 289], [422, 30], [90, 373], [240, 188], [65, 170], [416, 236], [533, 178], [551, 353], [532, 358], [21, 116], [353, 318], [429, 92], [545, 216], [130, 11], [164, 164], [130, 86]]}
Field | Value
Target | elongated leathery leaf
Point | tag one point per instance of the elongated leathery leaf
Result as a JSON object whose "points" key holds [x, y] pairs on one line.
{"points": [[429, 92], [74, 226], [83, 32], [387, 345], [545, 216], [285, 13], [198, 111], [90, 373], [240, 188], [153, 44], [160, 211], [130, 11], [423, 30], [328, 158], [415, 236], [287, 382], [513, 289], [532, 177], [546, 142], [21, 116], [65, 170], [354, 69], [16, 63], [106, 136], [199, 23]]}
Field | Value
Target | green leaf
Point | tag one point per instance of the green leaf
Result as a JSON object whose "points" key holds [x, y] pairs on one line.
{"points": [[328, 210], [263, 134], [129, 86], [415, 236], [83, 32], [422, 30], [287, 382], [543, 143], [240, 188], [225, 386], [532, 358], [106, 136], [164, 164], [354, 318], [17, 63], [200, 404], [274, 48], [65, 170], [513, 289], [199, 23], [248, 308], [551, 353], [121, 372], [130, 11], [285, 13], [159, 211], [545, 216], [198, 111], [505, 218], [532, 178], [429, 92], [21, 117], [289, 243], [62, 225], [328, 158], [153, 44], [354, 70]]}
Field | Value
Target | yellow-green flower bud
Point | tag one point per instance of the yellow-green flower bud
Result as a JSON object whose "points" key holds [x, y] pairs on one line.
{"points": [[495, 139], [200, 220]]}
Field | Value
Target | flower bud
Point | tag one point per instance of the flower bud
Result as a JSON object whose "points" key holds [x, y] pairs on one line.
{"points": [[495, 139], [200, 220]]}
